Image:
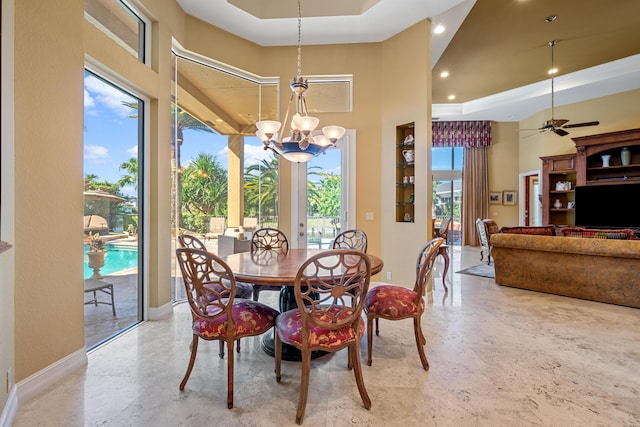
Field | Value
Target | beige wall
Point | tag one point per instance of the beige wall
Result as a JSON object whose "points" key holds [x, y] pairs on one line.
{"points": [[406, 90], [40, 281], [503, 170]]}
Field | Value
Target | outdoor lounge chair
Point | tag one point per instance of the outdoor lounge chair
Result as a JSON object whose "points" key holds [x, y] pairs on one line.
{"points": [[217, 225]]}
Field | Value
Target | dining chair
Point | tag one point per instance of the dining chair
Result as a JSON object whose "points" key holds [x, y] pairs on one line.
{"points": [[330, 289], [351, 239], [443, 230], [216, 314], [268, 239], [483, 240], [394, 302], [243, 290]]}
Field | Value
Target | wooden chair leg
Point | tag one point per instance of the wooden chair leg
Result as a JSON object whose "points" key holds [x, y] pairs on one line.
{"points": [[420, 342], [278, 353], [357, 369], [194, 350], [230, 374], [304, 385], [377, 331], [369, 339]]}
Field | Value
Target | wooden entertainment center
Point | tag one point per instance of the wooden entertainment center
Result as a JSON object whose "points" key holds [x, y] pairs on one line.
{"points": [[562, 173]]}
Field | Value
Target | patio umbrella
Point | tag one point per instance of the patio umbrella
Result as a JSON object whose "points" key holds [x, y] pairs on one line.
{"points": [[102, 195]]}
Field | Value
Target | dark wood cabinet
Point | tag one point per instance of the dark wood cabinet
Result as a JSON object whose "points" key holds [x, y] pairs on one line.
{"points": [[558, 189], [587, 167], [405, 173], [591, 167]]}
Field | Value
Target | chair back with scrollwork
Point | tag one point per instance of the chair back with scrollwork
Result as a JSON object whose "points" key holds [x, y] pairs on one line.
{"points": [[351, 239], [269, 239]]}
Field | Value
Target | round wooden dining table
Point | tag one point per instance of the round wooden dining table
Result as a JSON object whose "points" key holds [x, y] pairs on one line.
{"points": [[276, 268]]}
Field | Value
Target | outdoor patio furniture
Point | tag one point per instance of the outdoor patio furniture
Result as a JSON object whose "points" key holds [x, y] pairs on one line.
{"points": [[93, 286], [217, 225]]}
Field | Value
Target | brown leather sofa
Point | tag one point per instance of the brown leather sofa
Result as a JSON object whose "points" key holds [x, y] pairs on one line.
{"points": [[604, 270]]}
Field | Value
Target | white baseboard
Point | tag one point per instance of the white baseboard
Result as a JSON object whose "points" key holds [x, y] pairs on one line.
{"points": [[10, 409], [163, 312], [41, 380]]}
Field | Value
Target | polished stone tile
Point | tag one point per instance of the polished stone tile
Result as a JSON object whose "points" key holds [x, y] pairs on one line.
{"points": [[499, 357]]}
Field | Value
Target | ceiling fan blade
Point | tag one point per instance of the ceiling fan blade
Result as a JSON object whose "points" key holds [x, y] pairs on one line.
{"points": [[557, 123], [560, 132], [580, 125]]}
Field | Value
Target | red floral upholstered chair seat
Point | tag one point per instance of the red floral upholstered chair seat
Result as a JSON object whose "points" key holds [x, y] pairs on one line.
{"points": [[249, 319], [216, 314], [289, 325], [393, 302], [330, 288]]}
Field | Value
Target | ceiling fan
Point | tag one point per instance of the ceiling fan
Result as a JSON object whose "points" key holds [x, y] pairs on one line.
{"points": [[554, 125]]}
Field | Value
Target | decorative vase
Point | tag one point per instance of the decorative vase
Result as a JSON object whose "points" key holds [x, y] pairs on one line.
{"points": [[625, 156], [96, 262], [557, 204], [605, 160], [408, 156]]}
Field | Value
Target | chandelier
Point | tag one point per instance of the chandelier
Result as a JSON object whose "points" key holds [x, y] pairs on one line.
{"points": [[302, 145]]}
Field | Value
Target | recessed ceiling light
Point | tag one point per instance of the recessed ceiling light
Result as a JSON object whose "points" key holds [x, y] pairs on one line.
{"points": [[550, 18], [452, 97], [439, 29], [444, 74]]}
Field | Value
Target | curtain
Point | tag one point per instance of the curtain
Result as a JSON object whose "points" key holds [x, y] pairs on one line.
{"points": [[475, 137], [475, 192], [462, 134]]}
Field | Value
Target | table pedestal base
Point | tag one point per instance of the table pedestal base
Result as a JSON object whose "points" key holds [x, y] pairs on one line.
{"points": [[289, 352]]}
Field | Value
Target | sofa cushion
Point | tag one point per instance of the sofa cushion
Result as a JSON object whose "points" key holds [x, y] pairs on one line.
{"points": [[539, 230], [593, 233]]}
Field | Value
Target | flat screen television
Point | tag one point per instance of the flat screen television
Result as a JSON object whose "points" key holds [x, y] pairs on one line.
{"points": [[608, 206]]}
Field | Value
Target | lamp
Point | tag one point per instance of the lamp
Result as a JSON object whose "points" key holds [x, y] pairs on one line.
{"points": [[302, 145]]}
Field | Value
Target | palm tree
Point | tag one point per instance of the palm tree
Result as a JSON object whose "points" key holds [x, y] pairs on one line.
{"points": [[181, 121], [131, 178], [204, 186], [261, 187]]}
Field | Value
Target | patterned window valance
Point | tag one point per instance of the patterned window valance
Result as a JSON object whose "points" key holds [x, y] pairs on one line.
{"points": [[462, 134]]}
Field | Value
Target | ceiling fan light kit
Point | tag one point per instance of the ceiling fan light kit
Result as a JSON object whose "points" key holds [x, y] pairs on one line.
{"points": [[554, 125]]}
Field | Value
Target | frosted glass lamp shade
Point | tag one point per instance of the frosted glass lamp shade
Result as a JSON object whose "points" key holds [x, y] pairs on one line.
{"points": [[334, 133], [268, 127], [306, 123]]}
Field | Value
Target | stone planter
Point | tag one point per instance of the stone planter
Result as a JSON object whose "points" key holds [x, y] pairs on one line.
{"points": [[96, 262]]}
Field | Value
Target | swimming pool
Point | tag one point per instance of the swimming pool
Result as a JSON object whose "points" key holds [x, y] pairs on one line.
{"points": [[117, 258]]}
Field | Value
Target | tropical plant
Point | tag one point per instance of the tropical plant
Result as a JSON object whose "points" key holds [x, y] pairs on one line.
{"points": [[261, 188], [181, 121], [95, 242], [204, 186], [325, 198], [131, 178]]}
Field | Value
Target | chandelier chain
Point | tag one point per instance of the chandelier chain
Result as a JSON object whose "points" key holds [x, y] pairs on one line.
{"points": [[299, 40]]}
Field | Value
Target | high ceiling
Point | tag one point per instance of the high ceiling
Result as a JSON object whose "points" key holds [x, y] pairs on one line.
{"points": [[496, 51]]}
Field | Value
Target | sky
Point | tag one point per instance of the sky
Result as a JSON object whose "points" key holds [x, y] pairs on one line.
{"points": [[111, 137]]}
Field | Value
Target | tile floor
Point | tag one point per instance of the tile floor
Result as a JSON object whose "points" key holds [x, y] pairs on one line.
{"points": [[499, 357]]}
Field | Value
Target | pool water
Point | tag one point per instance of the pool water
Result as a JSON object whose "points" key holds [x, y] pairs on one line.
{"points": [[117, 258]]}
